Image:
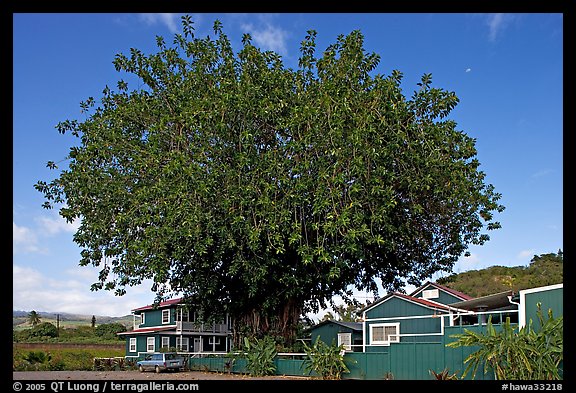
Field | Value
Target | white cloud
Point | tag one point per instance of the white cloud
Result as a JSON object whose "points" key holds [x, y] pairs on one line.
{"points": [[269, 37], [468, 69], [467, 263], [23, 240], [33, 290], [526, 254], [541, 173], [170, 20], [53, 226], [497, 23]]}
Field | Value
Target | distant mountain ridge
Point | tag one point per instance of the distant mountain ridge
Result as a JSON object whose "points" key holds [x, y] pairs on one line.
{"points": [[20, 317], [545, 269]]}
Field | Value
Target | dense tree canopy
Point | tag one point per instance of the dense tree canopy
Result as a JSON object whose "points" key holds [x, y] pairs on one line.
{"points": [[262, 191]]}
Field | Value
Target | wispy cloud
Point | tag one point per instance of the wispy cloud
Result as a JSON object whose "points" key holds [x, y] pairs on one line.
{"points": [[541, 173], [497, 23], [468, 69], [53, 226], [526, 254], [32, 290], [24, 240], [268, 37], [467, 263], [170, 20]]}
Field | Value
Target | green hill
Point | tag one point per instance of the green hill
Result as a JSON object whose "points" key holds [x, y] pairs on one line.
{"points": [[545, 269], [67, 321]]}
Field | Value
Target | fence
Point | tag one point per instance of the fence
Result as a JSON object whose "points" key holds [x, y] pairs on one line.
{"points": [[404, 361]]}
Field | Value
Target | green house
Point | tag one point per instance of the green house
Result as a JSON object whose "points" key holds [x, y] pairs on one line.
{"points": [[172, 325], [425, 315], [339, 333]]}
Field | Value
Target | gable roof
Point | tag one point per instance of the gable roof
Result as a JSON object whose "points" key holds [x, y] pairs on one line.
{"points": [[166, 303], [453, 292], [421, 302], [350, 325]]}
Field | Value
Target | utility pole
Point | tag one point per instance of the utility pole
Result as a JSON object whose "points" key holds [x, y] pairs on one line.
{"points": [[57, 325]]}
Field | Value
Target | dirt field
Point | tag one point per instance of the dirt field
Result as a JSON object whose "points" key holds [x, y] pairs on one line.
{"points": [[138, 376]]}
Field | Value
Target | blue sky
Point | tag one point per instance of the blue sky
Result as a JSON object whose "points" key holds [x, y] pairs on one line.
{"points": [[506, 69]]}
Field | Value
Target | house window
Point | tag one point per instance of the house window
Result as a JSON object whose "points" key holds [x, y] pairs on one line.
{"points": [[384, 333], [150, 344], [182, 345], [165, 342], [165, 316], [132, 344], [345, 339], [214, 340], [142, 319], [430, 294], [184, 317]]}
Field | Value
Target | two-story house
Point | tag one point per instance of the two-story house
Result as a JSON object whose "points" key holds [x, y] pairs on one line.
{"points": [[171, 325]]}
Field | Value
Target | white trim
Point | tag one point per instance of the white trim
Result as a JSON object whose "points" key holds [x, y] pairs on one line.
{"points": [[142, 319], [396, 325], [431, 294], [167, 311], [541, 289], [411, 317], [162, 342], [153, 338], [441, 306], [132, 344], [523, 292], [347, 347], [364, 331], [183, 342]]}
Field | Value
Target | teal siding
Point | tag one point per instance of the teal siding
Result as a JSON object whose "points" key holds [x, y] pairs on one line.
{"points": [[141, 344], [396, 307], [550, 299], [328, 333], [401, 361], [444, 297], [154, 318]]}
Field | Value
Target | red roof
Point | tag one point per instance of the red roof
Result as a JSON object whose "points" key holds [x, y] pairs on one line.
{"points": [[160, 305], [454, 292], [424, 302]]}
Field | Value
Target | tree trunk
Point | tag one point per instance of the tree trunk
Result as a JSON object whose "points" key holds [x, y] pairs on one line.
{"points": [[282, 323]]}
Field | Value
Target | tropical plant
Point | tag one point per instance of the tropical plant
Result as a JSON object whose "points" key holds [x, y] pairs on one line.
{"points": [[110, 330], [510, 354], [325, 360], [260, 191], [33, 318], [444, 375], [260, 355], [44, 329]]}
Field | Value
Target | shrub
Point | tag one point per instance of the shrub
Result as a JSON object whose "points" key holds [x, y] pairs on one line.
{"points": [[325, 360], [260, 354]]}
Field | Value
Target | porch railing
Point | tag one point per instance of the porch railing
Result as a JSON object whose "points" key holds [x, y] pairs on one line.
{"points": [[201, 327]]}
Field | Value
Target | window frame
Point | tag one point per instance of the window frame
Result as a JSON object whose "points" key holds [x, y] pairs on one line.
{"points": [[162, 339], [347, 347], [150, 339], [166, 312], [132, 344], [396, 325], [431, 293], [185, 344]]}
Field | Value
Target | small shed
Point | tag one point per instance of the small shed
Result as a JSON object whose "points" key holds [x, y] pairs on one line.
{"points": [[334, 332]]}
